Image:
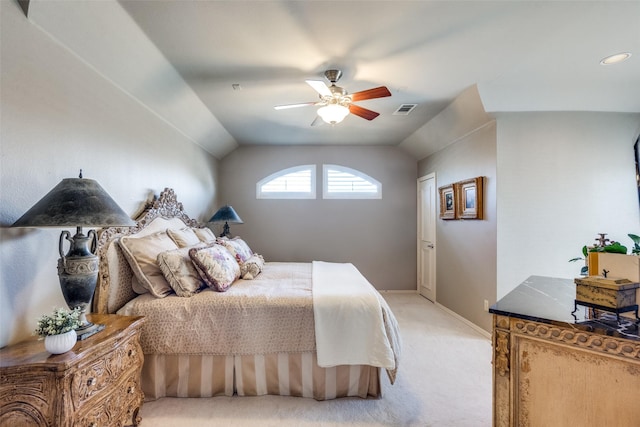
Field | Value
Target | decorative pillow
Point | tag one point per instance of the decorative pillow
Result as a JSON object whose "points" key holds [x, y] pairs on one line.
{"points": [[216, 266], [205, 235], [177, 268], [135, 284], [252, 267], [183, 237], [142, 253], [238, 248]]}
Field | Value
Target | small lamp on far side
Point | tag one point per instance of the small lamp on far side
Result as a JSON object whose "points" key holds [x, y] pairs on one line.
{"points": [[227, 215]]}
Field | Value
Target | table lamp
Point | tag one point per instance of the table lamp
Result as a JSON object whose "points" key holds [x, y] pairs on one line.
{"points": [[77, 202], [228, 215]]}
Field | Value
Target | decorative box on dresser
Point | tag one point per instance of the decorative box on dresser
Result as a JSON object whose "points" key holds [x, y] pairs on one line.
{"points": [[558, 364], [97, 383]]}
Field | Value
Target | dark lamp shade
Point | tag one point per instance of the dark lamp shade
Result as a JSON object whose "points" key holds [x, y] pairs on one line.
{"points": [[75, 202], [226, 214]]}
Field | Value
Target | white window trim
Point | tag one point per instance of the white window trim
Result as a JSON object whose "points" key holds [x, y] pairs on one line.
{"points": [[288, 195], [367, 195]]}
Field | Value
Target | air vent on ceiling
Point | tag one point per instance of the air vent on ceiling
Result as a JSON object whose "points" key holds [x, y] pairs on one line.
{"points": [[404, 109]]}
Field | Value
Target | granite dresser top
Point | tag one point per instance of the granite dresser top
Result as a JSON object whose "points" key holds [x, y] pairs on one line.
{"points": [[552, 300]]}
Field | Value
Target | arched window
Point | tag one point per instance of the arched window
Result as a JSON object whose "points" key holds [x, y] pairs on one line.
{"points": [[298, 182], [340, 182]]}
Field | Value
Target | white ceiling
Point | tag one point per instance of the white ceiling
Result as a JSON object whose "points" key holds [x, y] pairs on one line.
{"points": [[522, 55]]}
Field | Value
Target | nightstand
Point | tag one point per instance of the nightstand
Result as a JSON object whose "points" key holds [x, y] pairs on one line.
{"points": [[97, 383]]}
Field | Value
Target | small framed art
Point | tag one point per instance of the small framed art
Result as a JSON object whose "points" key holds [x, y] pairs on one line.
{"points": [[447, 202], [469, 203]]}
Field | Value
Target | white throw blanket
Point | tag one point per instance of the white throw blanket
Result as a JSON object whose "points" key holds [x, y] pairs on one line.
{"points": [[348, 318]]}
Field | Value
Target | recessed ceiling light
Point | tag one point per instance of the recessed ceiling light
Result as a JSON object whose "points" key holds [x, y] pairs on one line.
{"points": [[614, 59]]}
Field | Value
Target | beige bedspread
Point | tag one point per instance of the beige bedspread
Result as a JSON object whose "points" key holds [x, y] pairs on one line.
{"points": [[270, 314]]}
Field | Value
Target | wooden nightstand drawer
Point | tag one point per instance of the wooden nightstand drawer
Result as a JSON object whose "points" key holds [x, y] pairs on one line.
{"points": [[96, 383], [93, 377], [119, 407], [23, 400]]}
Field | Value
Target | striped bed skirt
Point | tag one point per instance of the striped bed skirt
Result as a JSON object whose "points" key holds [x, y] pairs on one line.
{"points": [[285, 374]]}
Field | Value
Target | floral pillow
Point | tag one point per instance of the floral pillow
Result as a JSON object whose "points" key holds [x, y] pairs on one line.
{"points": [[252, 267], [238, 248], [180, 272], [216, 266]]}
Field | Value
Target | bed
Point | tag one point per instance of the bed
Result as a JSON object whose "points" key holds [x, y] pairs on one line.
{"points": [[317, 330]]}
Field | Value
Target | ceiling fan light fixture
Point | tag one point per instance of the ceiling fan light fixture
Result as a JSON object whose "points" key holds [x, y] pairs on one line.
{"points": [[333, 113], [337, 103]]}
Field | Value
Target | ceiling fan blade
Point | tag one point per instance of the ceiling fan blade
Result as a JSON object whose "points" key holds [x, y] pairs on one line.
{"points": [[320, 87], [363, 112], [304, 104], [378, 92]]}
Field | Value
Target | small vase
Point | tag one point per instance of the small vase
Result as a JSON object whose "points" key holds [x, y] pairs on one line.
{"points": [[58, 344]]}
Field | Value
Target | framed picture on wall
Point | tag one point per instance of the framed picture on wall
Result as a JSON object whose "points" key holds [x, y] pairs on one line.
{"points": [[447, 202], [469, 201]]}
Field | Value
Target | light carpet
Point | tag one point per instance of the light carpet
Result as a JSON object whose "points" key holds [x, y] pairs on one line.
{"points": [[444, 379]]}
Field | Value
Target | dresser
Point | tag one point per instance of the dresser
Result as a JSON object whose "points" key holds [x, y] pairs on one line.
{"points": [[96, 384], [558, 364]]}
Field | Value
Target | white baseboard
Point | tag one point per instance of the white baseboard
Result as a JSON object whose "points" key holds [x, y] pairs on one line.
{"points": [[472, 325], [477, 328]]}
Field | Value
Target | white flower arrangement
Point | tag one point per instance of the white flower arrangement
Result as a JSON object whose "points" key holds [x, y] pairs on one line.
{"points": [[59, 322]]}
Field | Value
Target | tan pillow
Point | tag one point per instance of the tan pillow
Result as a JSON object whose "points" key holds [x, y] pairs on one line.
{"points": [[179, 271], [252, 267], [136, 286], [205, 235], [183, 237], [142, 253]]}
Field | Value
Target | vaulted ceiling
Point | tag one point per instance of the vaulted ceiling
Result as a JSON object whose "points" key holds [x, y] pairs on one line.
{"points": [[522, 55]]}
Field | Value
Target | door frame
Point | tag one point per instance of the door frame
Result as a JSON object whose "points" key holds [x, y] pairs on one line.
{"points": [[419, 234]]}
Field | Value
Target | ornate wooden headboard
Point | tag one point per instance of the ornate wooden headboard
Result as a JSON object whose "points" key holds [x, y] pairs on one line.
{"points": [[115, 275]]}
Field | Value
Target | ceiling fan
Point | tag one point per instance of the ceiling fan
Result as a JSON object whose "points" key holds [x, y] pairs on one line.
{"points": [[336, 103]]}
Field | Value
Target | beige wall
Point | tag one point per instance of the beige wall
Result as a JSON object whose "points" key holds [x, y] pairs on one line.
{"points": [[377, 236], [555, 180], [58, 116], [558, 179], [562, 178], [466, 249]]}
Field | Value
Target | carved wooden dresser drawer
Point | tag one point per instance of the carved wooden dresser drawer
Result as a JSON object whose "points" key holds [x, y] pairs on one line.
{"points": [[95, 384], [557, 366]]}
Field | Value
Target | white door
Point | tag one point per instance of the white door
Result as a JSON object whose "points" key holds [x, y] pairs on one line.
{"points": [[427, 236]]}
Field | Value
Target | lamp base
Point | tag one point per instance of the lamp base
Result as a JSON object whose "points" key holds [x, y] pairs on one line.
{"points": [[226, 232], [88, 330]]}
